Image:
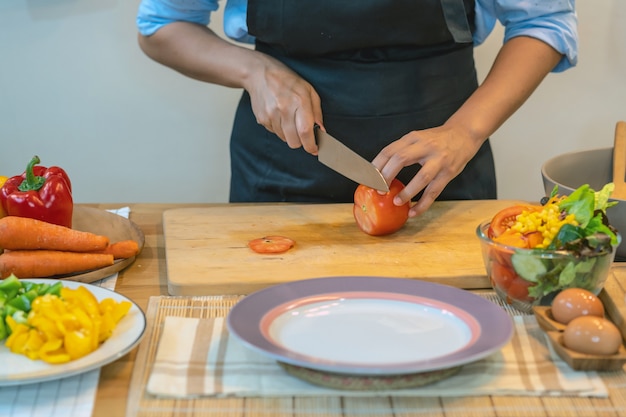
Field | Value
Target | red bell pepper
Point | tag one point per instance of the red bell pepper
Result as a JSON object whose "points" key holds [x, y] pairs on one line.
{"points": [[40, 193]]}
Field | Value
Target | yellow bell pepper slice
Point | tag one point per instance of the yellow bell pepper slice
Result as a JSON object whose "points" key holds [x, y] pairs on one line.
{"points": [[61, 329]]}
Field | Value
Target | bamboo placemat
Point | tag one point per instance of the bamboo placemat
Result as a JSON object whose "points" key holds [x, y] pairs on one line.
{"points": [[142, 404]]}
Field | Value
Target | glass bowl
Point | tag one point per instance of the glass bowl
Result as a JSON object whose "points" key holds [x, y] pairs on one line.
{"points": [[524, 278]]}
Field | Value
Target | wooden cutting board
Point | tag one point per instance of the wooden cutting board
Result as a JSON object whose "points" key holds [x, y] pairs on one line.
{"points": [[207, 254]]}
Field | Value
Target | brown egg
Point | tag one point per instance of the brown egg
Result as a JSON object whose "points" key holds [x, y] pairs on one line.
{"points": [[592, 335], [575, 302]]}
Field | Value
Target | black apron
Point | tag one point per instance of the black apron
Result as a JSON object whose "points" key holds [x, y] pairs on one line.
{"points": [[382, 68]]}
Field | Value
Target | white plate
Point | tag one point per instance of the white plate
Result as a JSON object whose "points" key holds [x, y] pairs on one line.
{"points": [[370, 325], [18, 369]]}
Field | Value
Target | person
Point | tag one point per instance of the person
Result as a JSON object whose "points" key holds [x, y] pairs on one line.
{"points": [[394, 80]]}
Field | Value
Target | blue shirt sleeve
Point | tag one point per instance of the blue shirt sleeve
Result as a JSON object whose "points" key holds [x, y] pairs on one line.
{"points": [[154, 14], [551, 21]]}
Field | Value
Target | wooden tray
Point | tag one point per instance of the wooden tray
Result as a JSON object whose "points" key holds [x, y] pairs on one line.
{"points": [[612, 297], [112, 225], [115, 227]]}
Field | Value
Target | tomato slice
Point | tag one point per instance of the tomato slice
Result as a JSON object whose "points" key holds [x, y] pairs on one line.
{"points": [[271, 244], [505, 218], [518, 290], [502, 275]]}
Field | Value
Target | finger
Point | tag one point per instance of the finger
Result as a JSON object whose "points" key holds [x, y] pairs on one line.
{"points": [[292, 136], [419, 182], [307, 137], [307, 115], [423, 204], [312, 117]]}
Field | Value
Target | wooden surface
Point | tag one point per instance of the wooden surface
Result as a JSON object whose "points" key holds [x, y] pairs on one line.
{"points": [[147, 277], [207, 254], [619, 161]]}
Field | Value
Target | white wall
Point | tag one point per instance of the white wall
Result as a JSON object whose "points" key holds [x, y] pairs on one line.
{"points": [[76, 90]]}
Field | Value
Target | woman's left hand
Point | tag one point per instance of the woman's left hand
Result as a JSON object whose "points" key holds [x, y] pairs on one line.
{"points": [[442, 153]]}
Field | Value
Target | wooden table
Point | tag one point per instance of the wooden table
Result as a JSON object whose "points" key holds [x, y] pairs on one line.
{"points": [[146, 277]]}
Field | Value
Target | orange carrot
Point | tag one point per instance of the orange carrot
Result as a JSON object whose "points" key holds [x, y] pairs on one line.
{"points": [[17, 233], [46, 263], [121, 250]]}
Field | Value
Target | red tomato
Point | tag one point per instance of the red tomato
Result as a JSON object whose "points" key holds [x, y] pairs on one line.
{"points": [[375, 213], [505, 218], [518, 290], [271, 244], [502, 276]]}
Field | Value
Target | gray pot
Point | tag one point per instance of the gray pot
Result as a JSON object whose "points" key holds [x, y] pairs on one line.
{"points": [[594, 167]]}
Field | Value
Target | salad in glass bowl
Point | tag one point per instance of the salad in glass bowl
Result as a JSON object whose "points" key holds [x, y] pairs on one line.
{"points": [[533, 251]]}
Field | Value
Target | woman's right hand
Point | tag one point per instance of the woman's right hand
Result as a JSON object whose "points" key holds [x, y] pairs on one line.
{"points": [[284, 103]]}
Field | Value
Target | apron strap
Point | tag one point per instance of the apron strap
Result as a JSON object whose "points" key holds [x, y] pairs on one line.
{"points": [[456, 19]]}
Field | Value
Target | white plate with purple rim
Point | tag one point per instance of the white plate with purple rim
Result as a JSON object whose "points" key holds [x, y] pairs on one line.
{"points": [[361, 325]]}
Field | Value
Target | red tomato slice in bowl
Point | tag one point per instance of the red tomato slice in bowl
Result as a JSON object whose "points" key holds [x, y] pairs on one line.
{"points": [[518, 290], [505, 218], [502, 275], [271, 244]]}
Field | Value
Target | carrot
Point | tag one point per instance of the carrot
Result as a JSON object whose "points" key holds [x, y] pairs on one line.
{"points": [[121, 250], [17, 233], [46, 263]]}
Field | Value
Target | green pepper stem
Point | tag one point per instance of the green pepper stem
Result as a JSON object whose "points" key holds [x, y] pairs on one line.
{"points": [[32, 182]]}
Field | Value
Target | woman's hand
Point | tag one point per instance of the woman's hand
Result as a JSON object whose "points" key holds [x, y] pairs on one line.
{"points": [[442, 152], [284, 103]]}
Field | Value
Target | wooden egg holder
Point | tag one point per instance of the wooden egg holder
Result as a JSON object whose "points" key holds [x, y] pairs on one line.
{"points": [[613, 298], [576, 360]]}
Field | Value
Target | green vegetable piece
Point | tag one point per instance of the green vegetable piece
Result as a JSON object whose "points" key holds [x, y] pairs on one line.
{"points": [[567, 275], [528, 266], [567, 233], [9, 310], [586, 266], [10, 282], [11, 285], [3, 330], [581, 204], [32, 294], [602, 197], [596, 225], [21, 302], [42, 288], [20, 317], [54, 289]]}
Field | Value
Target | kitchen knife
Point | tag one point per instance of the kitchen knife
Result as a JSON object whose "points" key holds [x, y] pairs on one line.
{"points": [[348, 163]]}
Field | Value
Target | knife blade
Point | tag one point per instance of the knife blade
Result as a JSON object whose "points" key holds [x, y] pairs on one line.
{"points": [[340, 158]]}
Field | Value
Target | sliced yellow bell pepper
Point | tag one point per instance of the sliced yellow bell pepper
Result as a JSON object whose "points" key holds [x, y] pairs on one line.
{"points": [[60, 329]]}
